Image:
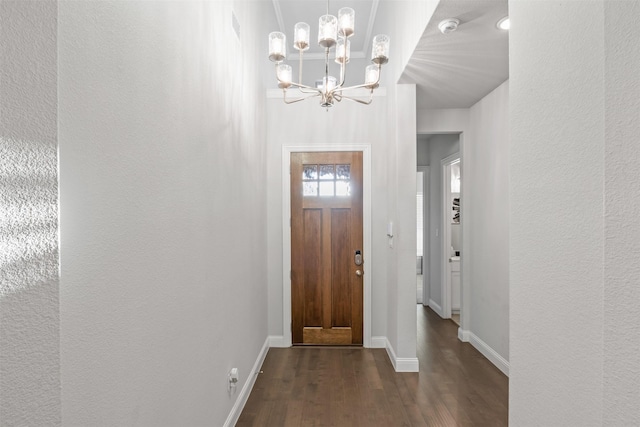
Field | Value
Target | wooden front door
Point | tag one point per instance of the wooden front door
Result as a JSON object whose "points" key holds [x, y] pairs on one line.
{"points": [[326, 248]]}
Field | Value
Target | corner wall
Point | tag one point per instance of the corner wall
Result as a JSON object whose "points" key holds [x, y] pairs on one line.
{"points": [[621, 387], [163, 229], [29, 310], [574, 239]]}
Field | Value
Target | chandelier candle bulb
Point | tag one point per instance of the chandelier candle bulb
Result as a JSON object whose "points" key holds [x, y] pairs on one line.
{"points": [[380, 49], [327, 31], [277, 46], [347, 19], [301, 33], [343, 54], [284, 74], [371, 76]]}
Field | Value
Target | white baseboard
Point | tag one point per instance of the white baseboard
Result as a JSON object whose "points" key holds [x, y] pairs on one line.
{"points": [[493, 356], [277, 341], [232, 419], [378, 342], [401, 364], [463, 335], [435, 307]]}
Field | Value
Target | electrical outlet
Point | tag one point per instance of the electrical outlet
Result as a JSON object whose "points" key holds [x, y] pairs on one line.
{"points": [[233, 379], [233, 375]]}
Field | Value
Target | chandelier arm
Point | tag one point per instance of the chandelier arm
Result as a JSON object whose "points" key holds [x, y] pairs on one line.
{"points": [[309, 89], [364, 85], [371, 86], [326, 67], [343, 64], [300, 67], [343, 74], [293, 101], [299, 85], [358, 100]]}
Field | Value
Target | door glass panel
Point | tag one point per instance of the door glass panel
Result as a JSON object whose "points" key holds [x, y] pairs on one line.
{"points": [[310, 172], [326, 188], [343, 188], [310, 188], [326, 172], [343, 171], [326, 180]]}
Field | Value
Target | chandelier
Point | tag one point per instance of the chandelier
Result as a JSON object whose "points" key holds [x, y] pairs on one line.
{"points": [[332, 32]]}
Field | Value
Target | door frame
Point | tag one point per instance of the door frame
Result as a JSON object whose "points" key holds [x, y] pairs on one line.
{"points": [[286, 232], [445, 165], [426, 247]]}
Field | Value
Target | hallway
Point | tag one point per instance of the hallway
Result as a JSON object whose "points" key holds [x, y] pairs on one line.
{"points": [[456, 385]]}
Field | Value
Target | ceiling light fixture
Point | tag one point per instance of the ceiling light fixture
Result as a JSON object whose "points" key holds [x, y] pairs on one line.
{"points": [[448, 25], [504, 23], [332, 32]]}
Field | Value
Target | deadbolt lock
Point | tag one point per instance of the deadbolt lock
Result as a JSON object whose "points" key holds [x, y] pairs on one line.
{"points": [[358, 258]]}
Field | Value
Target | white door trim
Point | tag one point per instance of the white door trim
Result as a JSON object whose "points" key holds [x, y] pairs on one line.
{"points": [[445, 166], [426, 253], [286, 232]]}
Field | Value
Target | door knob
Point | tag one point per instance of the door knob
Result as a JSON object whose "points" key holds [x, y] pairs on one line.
{"points": [[359, 273]]}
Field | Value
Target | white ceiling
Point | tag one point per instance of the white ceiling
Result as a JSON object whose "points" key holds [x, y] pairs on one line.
{"points": [[458, 69], [455, 70]]}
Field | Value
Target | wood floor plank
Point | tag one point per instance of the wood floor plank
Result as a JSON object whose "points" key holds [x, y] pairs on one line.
{"points": [[352, 387]]}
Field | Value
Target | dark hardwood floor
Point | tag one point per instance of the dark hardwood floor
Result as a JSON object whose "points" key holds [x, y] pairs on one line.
{"points": [[315, 386]]}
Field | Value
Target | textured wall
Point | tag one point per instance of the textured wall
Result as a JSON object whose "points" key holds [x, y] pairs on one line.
{"points": [[29, 317], [162, 198], [621, 365], [29, 212], [557, 235], [575, 303]]}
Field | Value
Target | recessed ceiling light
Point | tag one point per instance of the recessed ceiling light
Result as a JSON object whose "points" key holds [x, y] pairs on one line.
{"points": [[448, 25], [504, 23]]}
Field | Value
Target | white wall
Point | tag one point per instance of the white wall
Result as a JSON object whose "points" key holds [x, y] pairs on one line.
{"points": [[404, 230], [163, 209], [574, 232], [409, 18], [307, 124], [438, 147], [621, 385], [485, 222], [29, 315]]}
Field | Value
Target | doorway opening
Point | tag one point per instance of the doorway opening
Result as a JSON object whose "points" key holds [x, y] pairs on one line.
{"points": [[439, 156], [451, 237]]}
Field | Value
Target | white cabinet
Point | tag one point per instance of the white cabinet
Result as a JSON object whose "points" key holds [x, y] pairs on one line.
{"points": [[454, 276]]}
